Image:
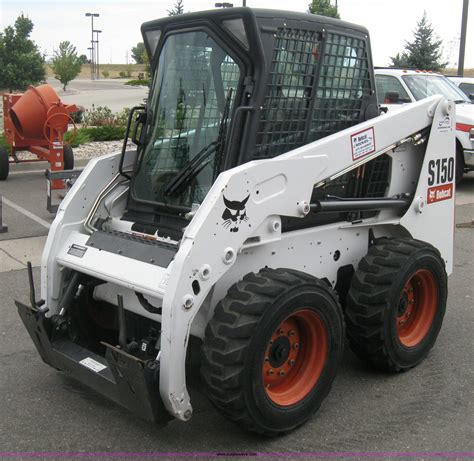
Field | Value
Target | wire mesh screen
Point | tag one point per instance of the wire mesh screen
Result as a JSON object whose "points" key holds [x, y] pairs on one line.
{"points": [[343, 83], [285, 110]]}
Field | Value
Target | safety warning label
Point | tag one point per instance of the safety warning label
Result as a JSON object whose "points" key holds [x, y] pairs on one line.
{"points": [[363, 143]]}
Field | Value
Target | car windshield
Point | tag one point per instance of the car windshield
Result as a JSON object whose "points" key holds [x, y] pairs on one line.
{"points": [[423, 86], [188, 112]]}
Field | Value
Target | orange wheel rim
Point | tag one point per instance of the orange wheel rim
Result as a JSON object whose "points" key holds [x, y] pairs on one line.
{"points": [[295, 357], [417, 308]]}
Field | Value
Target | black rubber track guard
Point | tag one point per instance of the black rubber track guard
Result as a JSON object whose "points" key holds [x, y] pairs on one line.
{"points": [[125, 379]]}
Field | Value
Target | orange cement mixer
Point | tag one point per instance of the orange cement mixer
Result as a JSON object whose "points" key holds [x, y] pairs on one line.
{"points": [[36, 121]]}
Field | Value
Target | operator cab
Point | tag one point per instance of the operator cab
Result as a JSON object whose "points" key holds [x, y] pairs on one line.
{"points": [[239, 84]]}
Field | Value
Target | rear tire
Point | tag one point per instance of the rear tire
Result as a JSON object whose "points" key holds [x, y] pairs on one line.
{"points": [[4, 164], [396, 303], [68, 157], [271, 350]]}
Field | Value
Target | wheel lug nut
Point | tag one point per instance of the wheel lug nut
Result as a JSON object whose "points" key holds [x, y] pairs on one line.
{"points": [[271, 342], [291, 362], [281, 331], [282, 373], [266, 359], [270, 371], [292, 333], [296, 346]]}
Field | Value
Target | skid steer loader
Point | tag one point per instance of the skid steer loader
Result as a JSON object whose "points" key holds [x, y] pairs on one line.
{"points": [[267, 212]]}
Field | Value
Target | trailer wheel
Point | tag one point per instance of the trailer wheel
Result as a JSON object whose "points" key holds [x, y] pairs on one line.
{"points": [[271, 350], [396, 303], [68, 157], [4, 164]]}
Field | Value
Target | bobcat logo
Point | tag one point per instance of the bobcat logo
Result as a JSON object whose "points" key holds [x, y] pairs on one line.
{"points": [[234, 214]]}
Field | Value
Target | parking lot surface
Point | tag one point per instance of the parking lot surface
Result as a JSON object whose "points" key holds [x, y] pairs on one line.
{"points": [[429, 408]]}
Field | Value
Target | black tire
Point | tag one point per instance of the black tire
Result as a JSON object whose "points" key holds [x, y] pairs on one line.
{"points": [[396, 303], [68, 157], [4, 164], [237, 349], [459, 163]]}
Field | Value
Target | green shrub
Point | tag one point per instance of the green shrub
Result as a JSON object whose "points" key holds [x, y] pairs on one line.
{"points": [[95, 133], [3, 141], [123, 74], [106, 73], [101, 116], [144, 82]]}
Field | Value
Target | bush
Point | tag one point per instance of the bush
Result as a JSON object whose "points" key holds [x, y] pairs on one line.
{"points": [[106, 73], [103, 116], [3, 141], [95, 133], [125, 73], [144, 82]]}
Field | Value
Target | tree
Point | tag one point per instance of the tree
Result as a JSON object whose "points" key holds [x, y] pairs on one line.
{"points": [[21, 63], [178, 8], [137, 52], [84, 59], [424, 52], [324, 8], [66, 63]]}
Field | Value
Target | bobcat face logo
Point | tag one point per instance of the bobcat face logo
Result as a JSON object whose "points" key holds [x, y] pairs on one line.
{"points": [[234, 214]]}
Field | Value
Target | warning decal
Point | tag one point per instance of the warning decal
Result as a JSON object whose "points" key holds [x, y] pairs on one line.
{"points": [[92, 364], [363, 143], [439, 193]]}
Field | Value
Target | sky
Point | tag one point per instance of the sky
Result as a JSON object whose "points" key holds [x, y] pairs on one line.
{"points": [[390, 23]]}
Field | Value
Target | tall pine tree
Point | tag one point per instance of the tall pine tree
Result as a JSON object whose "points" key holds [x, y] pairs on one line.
{"points": [[324, 8], [178, 8], [424, 52]]}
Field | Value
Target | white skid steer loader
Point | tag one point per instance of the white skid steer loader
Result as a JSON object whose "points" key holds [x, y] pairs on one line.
{"points": [[267, 212]]}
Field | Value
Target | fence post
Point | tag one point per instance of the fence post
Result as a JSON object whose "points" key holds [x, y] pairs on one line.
{"points": [[3, 228]]}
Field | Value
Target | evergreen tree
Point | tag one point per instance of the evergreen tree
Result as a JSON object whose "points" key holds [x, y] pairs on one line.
{"points": [[137, 52], [324, 8], [178, 8], [66, 63], [424, 52], [21, 63]]}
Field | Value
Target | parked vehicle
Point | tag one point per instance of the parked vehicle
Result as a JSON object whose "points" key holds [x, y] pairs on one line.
{"points": [[396, 87], [465, 84]]}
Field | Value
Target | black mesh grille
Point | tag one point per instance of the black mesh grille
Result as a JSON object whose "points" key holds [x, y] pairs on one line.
{"points": [[285, 110], [343, 83]]}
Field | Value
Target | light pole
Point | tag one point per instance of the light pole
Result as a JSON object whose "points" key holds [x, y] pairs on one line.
{"points": [[462, 44], [97, 54], [92, 16]]}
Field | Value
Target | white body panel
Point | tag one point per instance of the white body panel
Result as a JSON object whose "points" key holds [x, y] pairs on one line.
{"points": [[282, 186]]}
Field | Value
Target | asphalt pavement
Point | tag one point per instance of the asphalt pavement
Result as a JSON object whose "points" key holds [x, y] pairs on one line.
{"points": [[429, 408], [112, 93]]}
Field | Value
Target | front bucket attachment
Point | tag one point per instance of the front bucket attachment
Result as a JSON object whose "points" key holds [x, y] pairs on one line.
{"points": [[119, 376]]}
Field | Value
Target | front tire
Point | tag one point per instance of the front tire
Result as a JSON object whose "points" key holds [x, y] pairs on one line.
{"points": [[396, 303], [459, 164], [272, 349]]}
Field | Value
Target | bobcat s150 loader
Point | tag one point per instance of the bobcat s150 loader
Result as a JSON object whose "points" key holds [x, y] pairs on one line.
{"points": [[267, 213]]}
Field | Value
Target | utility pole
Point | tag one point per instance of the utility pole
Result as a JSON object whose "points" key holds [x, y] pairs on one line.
{"points": [[93, 69], [97, 54], [462, 44]]}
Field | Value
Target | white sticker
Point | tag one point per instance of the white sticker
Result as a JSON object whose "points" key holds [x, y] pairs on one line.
{"points": [[363, 143], [92, 364]]}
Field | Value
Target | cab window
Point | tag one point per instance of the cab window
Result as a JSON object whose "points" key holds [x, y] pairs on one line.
{"points": [[387, 83]]}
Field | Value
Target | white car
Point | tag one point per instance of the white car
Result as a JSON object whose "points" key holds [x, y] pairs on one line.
{"points": [[465, 84], [396, 87]]}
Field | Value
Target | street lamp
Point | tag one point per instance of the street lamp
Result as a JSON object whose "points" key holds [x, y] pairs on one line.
{"points": [[92, 16], [97, 54]]}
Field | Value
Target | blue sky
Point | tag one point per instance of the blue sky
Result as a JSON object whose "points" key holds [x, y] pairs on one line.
{"points": [[390, 22]]}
